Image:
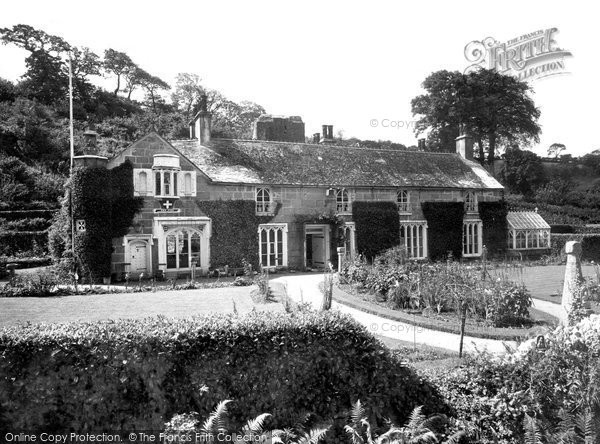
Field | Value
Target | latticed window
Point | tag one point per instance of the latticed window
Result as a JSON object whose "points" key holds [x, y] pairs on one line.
{"points": [[165, 182], [470, 201], [263, 200], [472, 240], [342, 200], [187, 184], [413, 235], [529, 239], [272, 245], [183, 249], [403, 200]]}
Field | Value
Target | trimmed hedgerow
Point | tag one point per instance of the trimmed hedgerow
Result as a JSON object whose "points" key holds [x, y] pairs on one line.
{"points": [[590, 244], [136, 374], [377, 226], [234, 231], [444, 228], [495, 226], [15, 242]]}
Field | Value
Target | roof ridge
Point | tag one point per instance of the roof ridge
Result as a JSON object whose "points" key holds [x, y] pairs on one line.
{"points": [[323, 145]]}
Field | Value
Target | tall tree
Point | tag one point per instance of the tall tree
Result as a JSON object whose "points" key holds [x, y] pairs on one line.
{"points": [[188, 91], [494, 108], [555, 149], [119, 64], [523, 171], [152, 85]]}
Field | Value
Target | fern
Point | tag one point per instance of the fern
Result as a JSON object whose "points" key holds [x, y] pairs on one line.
{"points": [[216, 422], [533, 434]]}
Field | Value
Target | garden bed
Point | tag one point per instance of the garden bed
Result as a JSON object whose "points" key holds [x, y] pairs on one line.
{"points": [[347, 295]]}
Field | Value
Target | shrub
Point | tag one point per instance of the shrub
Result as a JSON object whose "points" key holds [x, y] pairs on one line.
{"points": [[136, 374], [495, 226], [590, 245], [445, 228], [377, 227]]}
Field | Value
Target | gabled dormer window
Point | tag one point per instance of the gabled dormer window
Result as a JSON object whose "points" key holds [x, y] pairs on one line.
{"points": [[166, 175], [470, 202], [403, 201], [263, 201]]}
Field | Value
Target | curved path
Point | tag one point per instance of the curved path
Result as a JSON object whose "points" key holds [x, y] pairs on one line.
{"points": [[305, 288]]}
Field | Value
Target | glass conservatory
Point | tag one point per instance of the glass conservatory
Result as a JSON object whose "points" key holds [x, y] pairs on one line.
{"points": [[527, 230]]}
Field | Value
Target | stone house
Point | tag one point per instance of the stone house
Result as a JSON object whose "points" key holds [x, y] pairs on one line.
{"points": [[286, 178]]}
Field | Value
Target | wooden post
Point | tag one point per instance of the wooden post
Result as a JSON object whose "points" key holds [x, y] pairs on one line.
{"points": [[463, 320]]}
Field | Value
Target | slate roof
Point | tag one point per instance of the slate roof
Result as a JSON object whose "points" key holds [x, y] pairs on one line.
{"points": [[526, 220], [288, 163]]}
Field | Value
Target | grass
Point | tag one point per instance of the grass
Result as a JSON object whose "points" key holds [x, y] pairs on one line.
{"points": [[176, 304]]}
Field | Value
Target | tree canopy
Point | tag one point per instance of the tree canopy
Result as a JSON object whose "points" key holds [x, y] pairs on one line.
{"points": [[495, 109]]}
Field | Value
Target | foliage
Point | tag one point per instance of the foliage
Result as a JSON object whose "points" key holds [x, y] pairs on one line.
{"points": [[42, 284], [493, 107], [145, 371], [590, 245], [377, 227], [522, 172], [234, 231], [495, 225], [440, 287], [444, 228]]}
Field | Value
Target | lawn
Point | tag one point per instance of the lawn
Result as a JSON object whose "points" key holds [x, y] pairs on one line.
{"points": [[175, 304]]}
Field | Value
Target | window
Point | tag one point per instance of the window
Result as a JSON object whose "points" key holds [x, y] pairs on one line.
{"points": [[403, 200], [528, 239], [342, 200], [165, 182], [263, 201], [470, 202], [272, 245], [183, 248], [472, 238], [413, 236]]}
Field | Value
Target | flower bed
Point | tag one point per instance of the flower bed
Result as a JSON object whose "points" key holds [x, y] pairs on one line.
{"points": [[440, 288]]}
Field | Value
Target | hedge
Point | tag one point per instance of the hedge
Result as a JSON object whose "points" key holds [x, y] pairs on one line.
{"points": [[495, 225], [15, 242], [234, 231], [444, 228], [377, 226], [136, 374], [590, 244]]}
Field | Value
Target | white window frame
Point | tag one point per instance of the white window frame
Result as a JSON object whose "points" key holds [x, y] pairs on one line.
{"points": [[472, 238], [520, 239], [173, 175], [470, 202], [190, 232], [263, 206], [280, 230], [403, 201], [412, 240], [343, 201]]}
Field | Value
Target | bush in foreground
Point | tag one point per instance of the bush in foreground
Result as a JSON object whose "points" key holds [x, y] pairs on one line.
{"points": [[135, 374]]}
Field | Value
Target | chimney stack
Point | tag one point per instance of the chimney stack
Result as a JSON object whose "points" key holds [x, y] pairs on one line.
{"points": [[327, 136], [200, 126], [91, 141], [316, 137], [464, 143]]}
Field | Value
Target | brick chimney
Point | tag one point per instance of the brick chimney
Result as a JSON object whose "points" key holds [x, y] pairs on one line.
{"points": [[327, 136], [90, 140], [316, 137], [464, 143], [200, 126]]}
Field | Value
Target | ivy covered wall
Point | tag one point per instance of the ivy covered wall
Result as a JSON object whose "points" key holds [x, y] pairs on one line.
{"points": [[234, 231], [445, 228], [377, 227], [495, 226], [104, 200]]}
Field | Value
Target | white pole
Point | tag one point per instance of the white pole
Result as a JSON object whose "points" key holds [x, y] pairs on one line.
{"points": [[71, 111]]}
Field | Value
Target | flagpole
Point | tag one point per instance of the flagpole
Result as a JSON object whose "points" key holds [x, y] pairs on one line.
{"points": [[71, 156]]}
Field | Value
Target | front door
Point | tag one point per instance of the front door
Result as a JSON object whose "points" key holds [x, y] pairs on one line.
{"points": [[137, 251], [316, 242]]}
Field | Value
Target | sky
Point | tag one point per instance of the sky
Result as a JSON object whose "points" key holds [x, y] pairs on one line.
{"points": [[355, 65]]}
